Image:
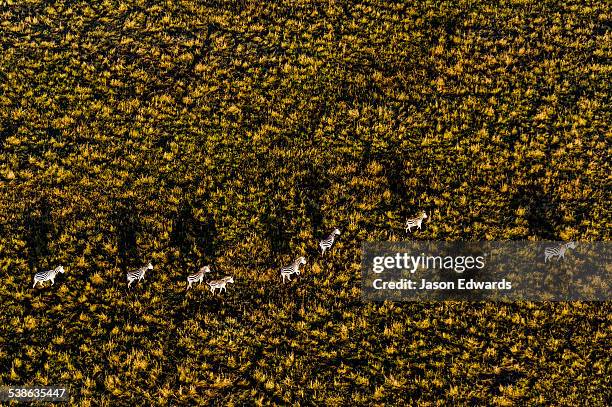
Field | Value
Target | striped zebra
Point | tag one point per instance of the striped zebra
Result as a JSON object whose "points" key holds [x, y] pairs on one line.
{"points": [[199, 276], [220, 284], [412, 222], [138, 274], [328, 242], [558, 251], [293, 268], [48, 275]]}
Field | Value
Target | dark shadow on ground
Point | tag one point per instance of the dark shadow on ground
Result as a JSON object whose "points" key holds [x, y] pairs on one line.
{"points": [[194, 238], [39, 231], [127, 223]]}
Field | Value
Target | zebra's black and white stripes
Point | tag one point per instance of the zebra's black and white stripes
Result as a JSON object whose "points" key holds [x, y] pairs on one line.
{"points": [[558, 251], [415, 222], [328, 242], [48, 275], [199, 276], [220, 284], [138, 274], [293, 268]]}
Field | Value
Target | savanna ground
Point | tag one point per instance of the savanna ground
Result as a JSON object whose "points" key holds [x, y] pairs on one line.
{"points": [[236, 134]]}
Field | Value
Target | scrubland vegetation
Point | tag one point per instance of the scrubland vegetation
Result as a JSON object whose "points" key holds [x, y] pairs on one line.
{"points": [[235, 134]]}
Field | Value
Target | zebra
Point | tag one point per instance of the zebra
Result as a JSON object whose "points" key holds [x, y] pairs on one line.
{"points": [[328, 241], [199, 276], [293, 268], [412, 222], [558, 251], [138, 274], [48, 275], [220, 284]]}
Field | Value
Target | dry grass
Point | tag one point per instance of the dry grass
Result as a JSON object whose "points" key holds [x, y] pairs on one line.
{"points": [[238, 135]]}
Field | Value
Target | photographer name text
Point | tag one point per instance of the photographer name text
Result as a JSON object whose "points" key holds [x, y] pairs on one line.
{"points": [[427, 285]]}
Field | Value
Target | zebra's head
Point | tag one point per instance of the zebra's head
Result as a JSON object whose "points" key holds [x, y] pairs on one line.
{"points": [[571, 245], [424, 215], [302, 260], [60, 269], [205, 269], [336, 232], [229, 279], [149, 266]]}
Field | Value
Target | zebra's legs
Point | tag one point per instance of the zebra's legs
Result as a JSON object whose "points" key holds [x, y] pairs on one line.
{"points": [[52, 281], [189, 286], [35, 281]]}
